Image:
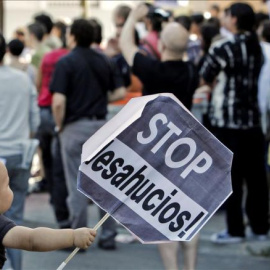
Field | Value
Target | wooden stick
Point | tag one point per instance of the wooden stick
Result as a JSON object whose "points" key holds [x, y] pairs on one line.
{"points": [[63, 264]]}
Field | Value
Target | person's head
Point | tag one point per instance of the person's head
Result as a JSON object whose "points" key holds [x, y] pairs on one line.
{"points": [[241, 18], [196, 22], [155, 18], [214, 21], [59, 30], [15, 47], [173, 41], [46, 21], [260, 18], [185, 21], [266, 31], [120, 15], [97, 30], [81, 34], [2, 48], [6, 194], [225, 18], [36, 32], [208, 32], [214, 10], [19, 34]]}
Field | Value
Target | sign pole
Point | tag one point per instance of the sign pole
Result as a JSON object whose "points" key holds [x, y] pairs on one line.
{"points": [[64, 263]]}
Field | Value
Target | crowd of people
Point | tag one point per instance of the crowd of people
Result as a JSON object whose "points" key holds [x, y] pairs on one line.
{"points": [[54, 100]]}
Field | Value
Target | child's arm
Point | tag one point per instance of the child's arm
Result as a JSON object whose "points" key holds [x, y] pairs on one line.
{"points": [[45, 239]]}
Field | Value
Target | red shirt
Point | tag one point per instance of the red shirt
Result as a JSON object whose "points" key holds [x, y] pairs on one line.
{"points": [[47, 68]]}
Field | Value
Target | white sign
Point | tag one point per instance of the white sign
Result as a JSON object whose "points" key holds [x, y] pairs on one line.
{"points": [[156, 170]]}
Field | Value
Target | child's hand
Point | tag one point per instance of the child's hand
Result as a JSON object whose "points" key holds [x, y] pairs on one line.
{"points": [[84, 237]]}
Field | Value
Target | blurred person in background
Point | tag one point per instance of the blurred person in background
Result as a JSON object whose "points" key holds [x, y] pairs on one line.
{"points": [[210, 32], [260, 19], [113, 50], [194, 45], [172, 75], [59, 31], [185, 21], [225, 24], [34, 39], [19, 120], [49, 142], [19, 34], [232, 68], [50, 40], [82, 84], [215, 11], [131, 82], [15, 49], [197, 20], [194, 49], [154, 21], [97, 27], [120, 16]]}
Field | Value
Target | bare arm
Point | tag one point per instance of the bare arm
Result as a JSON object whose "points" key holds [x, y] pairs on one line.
{"points": [[127, 38], [59, 109], [117, 94], [45, 239]]}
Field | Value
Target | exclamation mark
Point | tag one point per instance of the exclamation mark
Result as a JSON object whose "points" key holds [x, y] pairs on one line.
{"points": [[181, 234]]}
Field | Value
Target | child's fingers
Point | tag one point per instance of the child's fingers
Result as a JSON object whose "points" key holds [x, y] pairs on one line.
{"points": [[92, 238], [93, 232]]}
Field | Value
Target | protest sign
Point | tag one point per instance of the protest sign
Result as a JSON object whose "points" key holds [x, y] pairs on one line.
{"points": [[156, 170]]}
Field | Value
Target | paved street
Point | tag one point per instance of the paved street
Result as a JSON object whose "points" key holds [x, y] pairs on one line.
{"points": [[136, 256]]}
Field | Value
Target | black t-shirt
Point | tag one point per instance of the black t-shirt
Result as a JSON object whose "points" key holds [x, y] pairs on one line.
{"points": [[5, 225], [85, 76], [177, 77]]}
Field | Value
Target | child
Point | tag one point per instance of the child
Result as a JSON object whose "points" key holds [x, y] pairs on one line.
{"points": [[39, 239]]}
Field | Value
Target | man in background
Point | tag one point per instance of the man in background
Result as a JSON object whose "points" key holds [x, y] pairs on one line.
{"points": [[35, 35], [82, 84], [50, 40], [19, 119]]}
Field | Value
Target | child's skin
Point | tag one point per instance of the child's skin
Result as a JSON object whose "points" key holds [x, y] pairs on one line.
{"points": [[39, 239]]}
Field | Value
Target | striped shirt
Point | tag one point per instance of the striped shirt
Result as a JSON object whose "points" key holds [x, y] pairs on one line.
{"points": [[235, 63]]}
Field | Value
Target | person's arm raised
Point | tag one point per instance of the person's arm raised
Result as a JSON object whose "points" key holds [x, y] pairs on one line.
{"points": [[127, 38]]}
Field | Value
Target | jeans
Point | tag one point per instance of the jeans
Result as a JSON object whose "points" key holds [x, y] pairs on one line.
{"points": [[19, 184]]}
